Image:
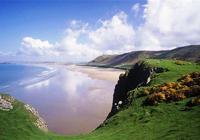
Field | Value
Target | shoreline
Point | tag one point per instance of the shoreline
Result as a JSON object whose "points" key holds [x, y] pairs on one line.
{"points": [[108, 74], [100, 73], [96, 72]]}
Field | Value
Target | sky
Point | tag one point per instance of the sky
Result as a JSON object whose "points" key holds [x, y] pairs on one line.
{"points": [[80, 30]]}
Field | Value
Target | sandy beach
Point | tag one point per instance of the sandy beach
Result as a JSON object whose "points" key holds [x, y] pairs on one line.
{"points": [[79, 94], [108, 74]]}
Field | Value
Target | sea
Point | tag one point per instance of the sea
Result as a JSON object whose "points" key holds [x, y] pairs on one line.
{"points": [[69, 101]]}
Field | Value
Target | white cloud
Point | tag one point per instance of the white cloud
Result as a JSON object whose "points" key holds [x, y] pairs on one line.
{"points": [[31, 46], [74, 49], [146, 40], [81, 42], [115, 35], [169, 24], [36, 43]]}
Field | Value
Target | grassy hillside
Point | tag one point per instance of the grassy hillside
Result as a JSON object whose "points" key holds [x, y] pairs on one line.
{"points": [[191, 53], [18, 124], [167, 120], [123, 60], [188, 53]]}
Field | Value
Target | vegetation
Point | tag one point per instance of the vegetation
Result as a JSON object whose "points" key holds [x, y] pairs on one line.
{"points": [[168, 120], [127, 60], [194, 102], [187, 86], [174, 71]]}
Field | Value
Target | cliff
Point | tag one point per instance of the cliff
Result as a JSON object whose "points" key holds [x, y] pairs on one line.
{"points": [[139, 75]]}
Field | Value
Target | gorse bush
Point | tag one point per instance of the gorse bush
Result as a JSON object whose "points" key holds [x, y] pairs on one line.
{"points": [[187, 86], [174, 96], [194, 102], [155, 98], [190, 79]]}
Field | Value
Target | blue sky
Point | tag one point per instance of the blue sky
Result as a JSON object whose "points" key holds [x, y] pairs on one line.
{"points": [[48, 19], [80, 30]]}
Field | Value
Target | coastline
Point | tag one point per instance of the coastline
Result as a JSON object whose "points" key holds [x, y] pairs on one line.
{"points": [[37, 90], [101, 73], [108, 74]]}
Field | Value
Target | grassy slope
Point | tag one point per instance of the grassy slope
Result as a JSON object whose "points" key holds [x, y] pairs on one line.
{"points": [[175, 71], [18, 124], [165, 121], [188, 53]]}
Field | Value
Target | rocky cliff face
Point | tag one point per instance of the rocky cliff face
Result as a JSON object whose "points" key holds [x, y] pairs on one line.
{"points": [[139, 75], [40, 123]]}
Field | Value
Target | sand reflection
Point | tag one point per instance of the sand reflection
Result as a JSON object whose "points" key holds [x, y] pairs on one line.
{"points": [[71, 102]]}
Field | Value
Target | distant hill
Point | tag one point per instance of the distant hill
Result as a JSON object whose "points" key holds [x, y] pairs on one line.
{"points": [[190, 53]]}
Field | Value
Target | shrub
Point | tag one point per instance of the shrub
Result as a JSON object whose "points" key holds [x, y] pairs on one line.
{"points": [[194, 102], [187, 86], [190, 79], [186, 91], [195, 74], [171, 90], [146, 92], [195, 90], [155, 98], [179, 86], [163, 88], [138, 92], [170, 84], [177, 96]]}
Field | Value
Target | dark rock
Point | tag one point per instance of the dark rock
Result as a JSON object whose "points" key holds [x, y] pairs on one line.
{"points": [[138, 75]]}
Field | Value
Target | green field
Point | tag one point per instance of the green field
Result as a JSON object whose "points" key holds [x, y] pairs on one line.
{"points": [[135, 122]]}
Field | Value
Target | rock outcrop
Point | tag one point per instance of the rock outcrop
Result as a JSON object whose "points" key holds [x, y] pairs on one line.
{"points": [[5, 103], [40, 123], [139, 75]]}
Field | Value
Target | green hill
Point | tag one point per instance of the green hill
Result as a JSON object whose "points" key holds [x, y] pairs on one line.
{"points": [[145, 113], [187, 53]]}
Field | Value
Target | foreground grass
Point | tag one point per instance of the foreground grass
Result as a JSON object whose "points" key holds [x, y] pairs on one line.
{"points": [[174, 72], [18, 124], [165, 121]]}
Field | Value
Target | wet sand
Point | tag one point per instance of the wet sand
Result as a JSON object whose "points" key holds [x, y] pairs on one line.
{"points": [[108, 74], [75, 100]]}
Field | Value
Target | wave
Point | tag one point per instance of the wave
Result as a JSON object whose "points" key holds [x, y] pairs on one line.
{"points": [[45, 74]]}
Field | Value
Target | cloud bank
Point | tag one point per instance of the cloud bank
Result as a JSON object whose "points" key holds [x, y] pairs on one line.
{"points": [[167, 24], [31, 46], [80, 42]]}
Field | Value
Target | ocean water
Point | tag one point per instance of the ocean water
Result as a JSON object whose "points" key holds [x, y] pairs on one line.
{"points": [[16, 75], [70, 102]]}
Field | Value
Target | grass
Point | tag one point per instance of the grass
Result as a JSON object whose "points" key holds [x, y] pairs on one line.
{"points": [[174, 72], [165, 121], [18, 124]]}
